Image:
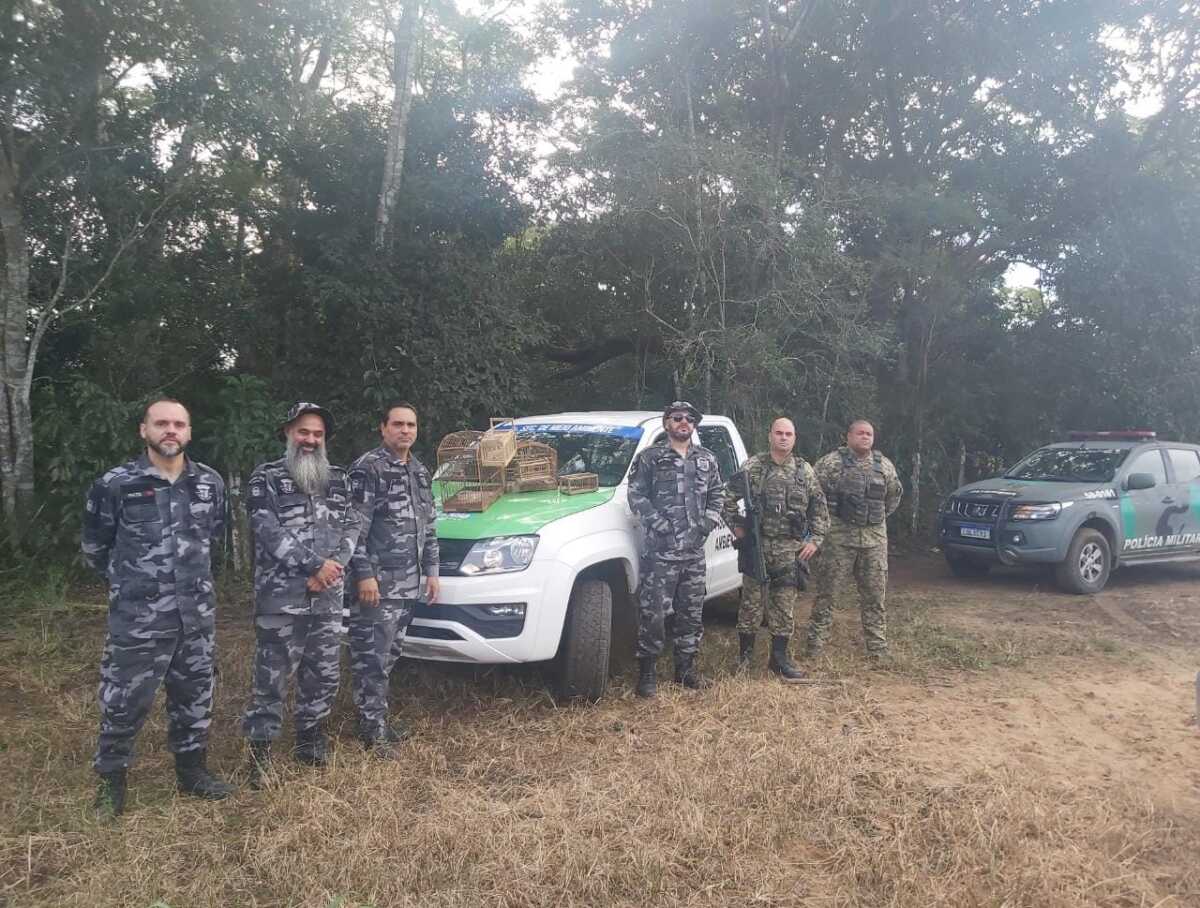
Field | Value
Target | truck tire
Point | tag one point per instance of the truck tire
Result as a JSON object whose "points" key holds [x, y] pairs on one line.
{"points": [[587, 638], [1087, 565], [964, 566]]}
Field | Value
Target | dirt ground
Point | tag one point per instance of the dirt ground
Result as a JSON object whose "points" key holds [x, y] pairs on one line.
{"points": [[1028, 748], [1131, 722]]}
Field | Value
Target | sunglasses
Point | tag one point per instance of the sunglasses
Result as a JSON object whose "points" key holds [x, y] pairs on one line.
{"points": [[683, 417]]}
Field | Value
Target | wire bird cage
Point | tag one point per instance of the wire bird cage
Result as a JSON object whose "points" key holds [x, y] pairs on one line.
{"points": [[578, 483], [498, 445], [534, 468], [467, 484]]}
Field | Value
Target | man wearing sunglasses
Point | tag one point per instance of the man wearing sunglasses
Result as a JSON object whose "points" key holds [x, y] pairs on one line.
{"points": [[675, 492]]}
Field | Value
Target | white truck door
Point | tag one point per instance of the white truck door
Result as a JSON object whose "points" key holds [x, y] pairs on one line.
{"points": [[720, 555]]}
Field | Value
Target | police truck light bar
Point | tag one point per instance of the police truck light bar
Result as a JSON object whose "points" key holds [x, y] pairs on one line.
{"points": [[1121, 435]]}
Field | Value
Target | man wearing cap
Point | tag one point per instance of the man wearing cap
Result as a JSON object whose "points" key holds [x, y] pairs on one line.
{"points": [[305, 529], [399, 548], [675, 493], [148, 528], [793, 520]]}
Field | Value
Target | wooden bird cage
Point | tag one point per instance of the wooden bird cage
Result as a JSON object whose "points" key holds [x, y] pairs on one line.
{"points": [[534, 468], [467, 484], [578, 483], [499, 443]]}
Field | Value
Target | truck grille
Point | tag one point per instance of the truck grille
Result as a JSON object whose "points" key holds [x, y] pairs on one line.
{"points": [[974, 510]]}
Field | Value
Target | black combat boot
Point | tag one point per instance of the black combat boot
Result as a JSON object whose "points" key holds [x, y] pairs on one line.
{"points": [[396, 731], [745, 651], [380, 742], [260, 764], [780, 664], [312, 747], [647, 683], [881, 659], [687, 674], [193, 778], [110, 795]]}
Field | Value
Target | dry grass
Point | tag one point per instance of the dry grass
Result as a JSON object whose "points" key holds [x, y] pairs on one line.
{"points": [[755, 794]]}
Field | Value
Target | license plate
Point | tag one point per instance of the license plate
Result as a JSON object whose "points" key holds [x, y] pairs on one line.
{"points": [[975, 532]]}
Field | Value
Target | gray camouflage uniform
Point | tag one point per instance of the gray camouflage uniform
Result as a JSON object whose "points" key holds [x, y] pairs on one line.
{"points": [[677, 501], [296, 630], [152, 540], [399, 547]]}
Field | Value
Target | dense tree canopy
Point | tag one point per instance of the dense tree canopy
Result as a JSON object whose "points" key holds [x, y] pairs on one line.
{"points": [[796, 207]]}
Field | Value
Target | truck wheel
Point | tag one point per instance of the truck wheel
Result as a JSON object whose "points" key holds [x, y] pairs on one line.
{"points": [[583, 661], [1088, 564], [962, 566]]}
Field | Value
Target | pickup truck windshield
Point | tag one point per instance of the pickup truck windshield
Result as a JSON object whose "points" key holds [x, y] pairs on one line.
{"points": [[600, 449], [1070, 465]]}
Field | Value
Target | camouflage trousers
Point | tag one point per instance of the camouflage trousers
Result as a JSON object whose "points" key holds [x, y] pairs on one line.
{"points": [[375, 637], [306, 646], [131, 672], [837, 566], [671, 588], [778, 599]]}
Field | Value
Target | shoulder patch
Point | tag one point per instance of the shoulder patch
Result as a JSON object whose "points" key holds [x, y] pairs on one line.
{"points": [[258, 488]]}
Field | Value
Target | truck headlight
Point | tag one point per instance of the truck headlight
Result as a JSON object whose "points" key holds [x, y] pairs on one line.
{"points": [[500, 555], [1047, 511]]}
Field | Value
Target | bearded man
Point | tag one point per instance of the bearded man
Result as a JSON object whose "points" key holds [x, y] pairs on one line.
{"points": [[305, 530]]}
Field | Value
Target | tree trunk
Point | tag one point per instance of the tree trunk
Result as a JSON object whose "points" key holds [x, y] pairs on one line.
{"points": [[393, 164], [237, 524], [16, 421], [915, 480]]}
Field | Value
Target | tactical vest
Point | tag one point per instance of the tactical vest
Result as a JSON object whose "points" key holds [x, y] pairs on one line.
{"points": [[782, 499], [861, 493]]}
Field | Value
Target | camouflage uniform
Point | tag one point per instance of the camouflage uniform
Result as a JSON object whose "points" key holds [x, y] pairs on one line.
{"points": [[152, 539], [677, 500], [862, 494], [293, 535], [792, 508], [399, 546]]}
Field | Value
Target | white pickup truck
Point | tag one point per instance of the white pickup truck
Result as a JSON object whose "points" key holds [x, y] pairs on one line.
{"points": [[544, 576]]}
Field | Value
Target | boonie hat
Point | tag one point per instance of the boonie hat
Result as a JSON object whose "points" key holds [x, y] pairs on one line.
{"points": [[686, 407], [303, 407]]}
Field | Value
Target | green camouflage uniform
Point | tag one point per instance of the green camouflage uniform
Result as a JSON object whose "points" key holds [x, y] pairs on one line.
{"points": [[792, 506], [862, 494]]}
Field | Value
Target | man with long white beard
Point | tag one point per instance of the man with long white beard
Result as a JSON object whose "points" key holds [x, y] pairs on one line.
{"points": [[305, 530]]}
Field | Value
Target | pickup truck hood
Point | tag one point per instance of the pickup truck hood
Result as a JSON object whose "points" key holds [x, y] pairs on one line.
{"points": [[516, 513], [1026, 490]]}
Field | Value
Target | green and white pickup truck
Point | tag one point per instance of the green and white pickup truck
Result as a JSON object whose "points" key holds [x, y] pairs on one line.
{"points": [[543, 576]]}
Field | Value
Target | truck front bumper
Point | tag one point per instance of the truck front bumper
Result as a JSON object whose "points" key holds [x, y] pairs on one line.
{"points": [[1011, 543], [476, 620]]}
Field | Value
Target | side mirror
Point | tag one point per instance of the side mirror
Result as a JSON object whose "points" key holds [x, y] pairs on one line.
{"points": [[1136, 481]]}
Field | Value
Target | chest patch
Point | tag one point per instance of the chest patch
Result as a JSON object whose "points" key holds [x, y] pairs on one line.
{"points": [[204, 491]]}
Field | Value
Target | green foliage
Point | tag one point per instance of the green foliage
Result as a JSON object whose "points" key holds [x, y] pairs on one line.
{"points": [[243, 428], [804, 209]]}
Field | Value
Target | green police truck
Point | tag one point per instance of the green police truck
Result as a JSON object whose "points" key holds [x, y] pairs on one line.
{"points": [[1100, 501]]}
